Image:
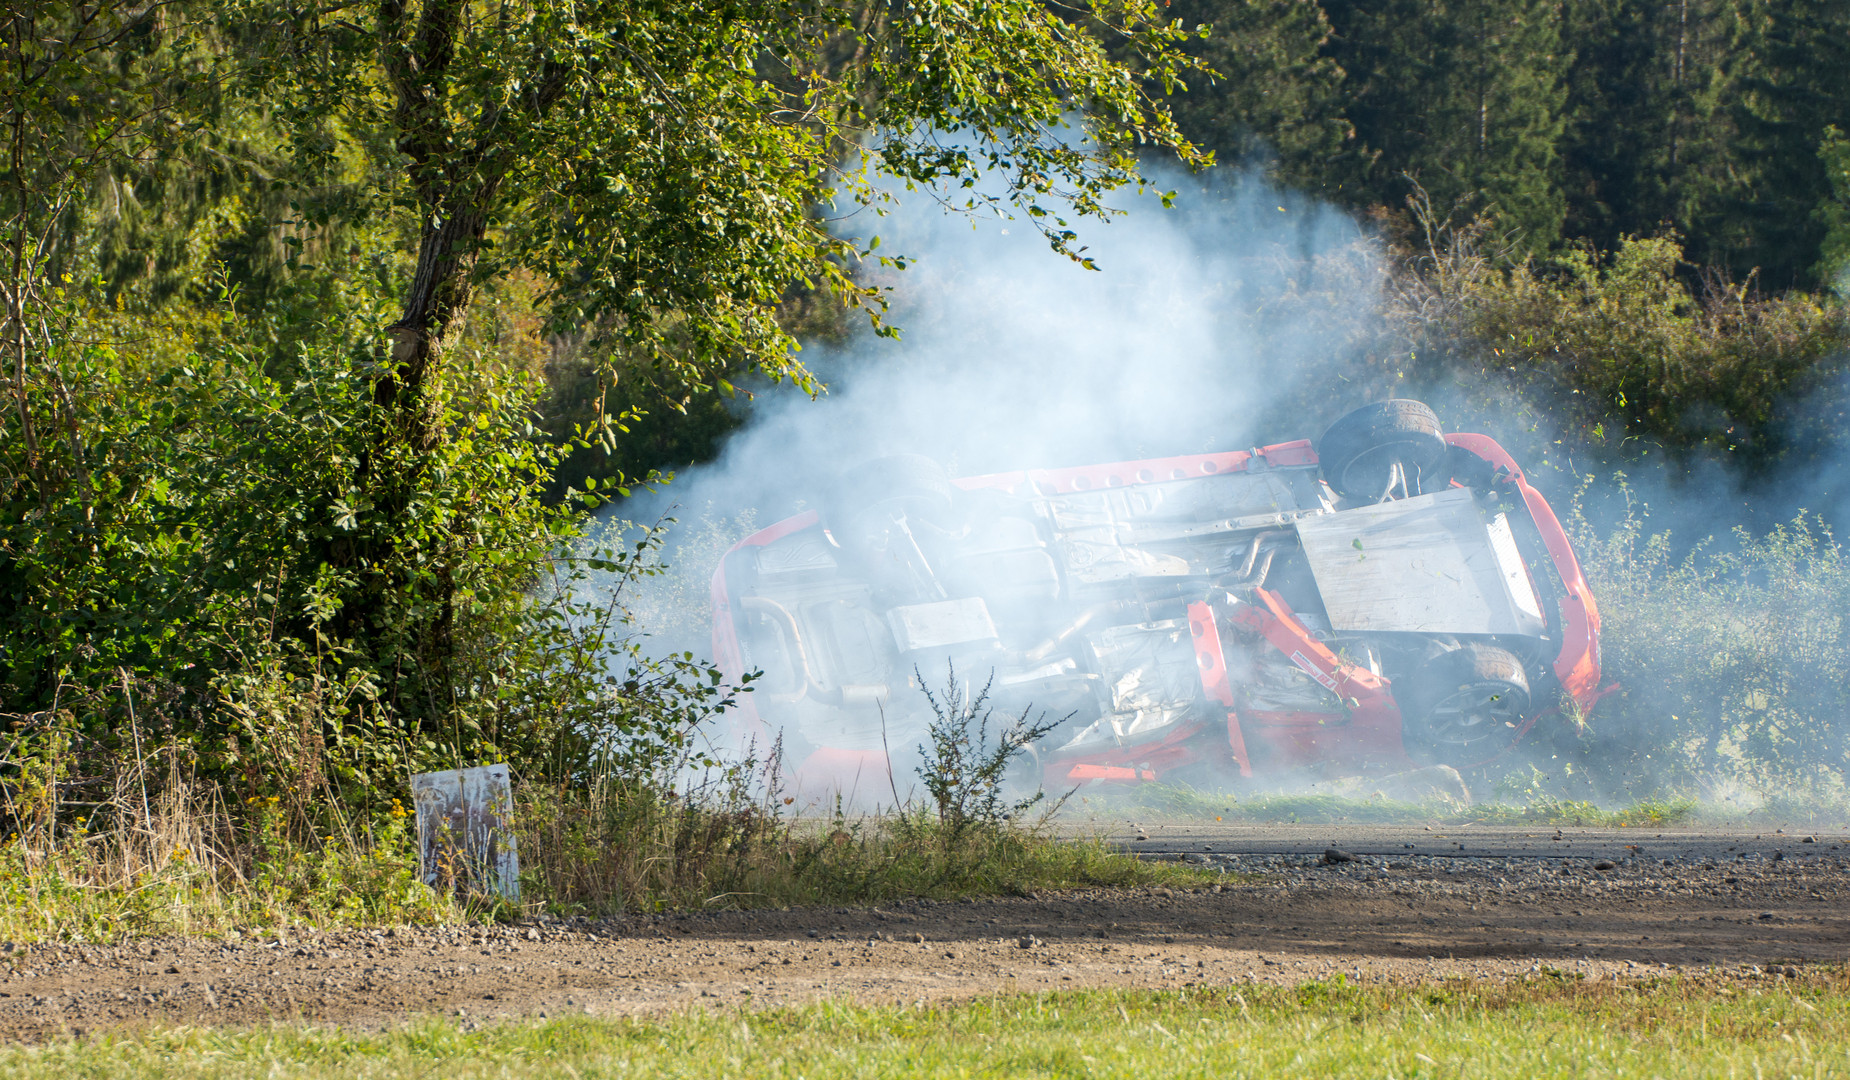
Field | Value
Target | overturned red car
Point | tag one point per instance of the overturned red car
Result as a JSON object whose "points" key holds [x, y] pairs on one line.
{"points": [[1394, 596]]}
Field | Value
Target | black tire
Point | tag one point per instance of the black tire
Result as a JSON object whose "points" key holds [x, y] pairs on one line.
{"points": [[870, 495], [1463, 707], [1359, 451]]}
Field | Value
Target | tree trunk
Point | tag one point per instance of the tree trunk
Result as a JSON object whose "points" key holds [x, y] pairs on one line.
{"points": [[439, 298], [410, 398]]}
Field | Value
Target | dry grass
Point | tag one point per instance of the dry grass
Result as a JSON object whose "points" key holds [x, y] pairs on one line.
{"points": [[147, 848]]}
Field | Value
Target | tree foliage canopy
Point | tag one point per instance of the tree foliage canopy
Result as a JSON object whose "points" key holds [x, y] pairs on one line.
{"points": [[299, 501], [665, 168]]}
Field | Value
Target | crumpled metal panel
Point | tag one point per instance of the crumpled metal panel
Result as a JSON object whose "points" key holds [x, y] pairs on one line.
{"points": [[1165, 530], [1425, 565], [1152, 680]]}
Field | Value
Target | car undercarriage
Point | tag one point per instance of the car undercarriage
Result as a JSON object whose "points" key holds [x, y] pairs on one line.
{"points": [[1393, 597]]}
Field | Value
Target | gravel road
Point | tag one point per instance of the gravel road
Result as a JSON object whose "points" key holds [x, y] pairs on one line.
{"points": [[1473, 841], [1411, 905]]}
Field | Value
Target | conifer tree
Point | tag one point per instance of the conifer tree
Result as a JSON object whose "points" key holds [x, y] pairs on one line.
{"points": [[1274, 99], [1791, 72], [1466, 98], [1647, 144]]}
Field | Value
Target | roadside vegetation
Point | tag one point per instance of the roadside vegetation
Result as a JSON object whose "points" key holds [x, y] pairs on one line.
{"points": [[1549, 1024], [195, 868], [110, 847], [280, 521], [323, 338]]}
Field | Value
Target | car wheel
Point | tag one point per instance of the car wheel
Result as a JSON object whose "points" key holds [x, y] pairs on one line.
{"points": [[1463, 707], [1362, 452], [872, 496]]}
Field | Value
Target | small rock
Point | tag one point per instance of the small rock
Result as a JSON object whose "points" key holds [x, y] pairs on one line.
{"points": [[1332, 856], [533, 933], [1809, 840], [1143, 836], [1605, 864], [918, 939], [1028, 942]]}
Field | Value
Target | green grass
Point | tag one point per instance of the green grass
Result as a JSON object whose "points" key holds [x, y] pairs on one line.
{"points": [[1181, 802], [1550, 1025]]}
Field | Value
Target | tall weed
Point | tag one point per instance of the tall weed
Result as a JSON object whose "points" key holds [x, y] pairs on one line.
{"points": [[1734, 659]]}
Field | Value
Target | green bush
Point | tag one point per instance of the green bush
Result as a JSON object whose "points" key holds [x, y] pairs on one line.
{"points": [[1620, 349], [206, 536], [1734, 660]]}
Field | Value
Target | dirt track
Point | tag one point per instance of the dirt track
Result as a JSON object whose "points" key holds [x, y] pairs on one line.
{"points": [[1280, 918]]}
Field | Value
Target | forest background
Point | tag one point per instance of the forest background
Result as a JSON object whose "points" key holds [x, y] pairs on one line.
{"points": [[326, 328]]}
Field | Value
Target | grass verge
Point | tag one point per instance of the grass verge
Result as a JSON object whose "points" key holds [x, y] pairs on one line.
{"points": [[1550, 1025], [638, 851], [1177, 801], [185, 865]]}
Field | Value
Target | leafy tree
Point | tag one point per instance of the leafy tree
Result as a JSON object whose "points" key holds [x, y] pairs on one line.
{"points": [[76, 103], [659, 167], [661, 170], [658, 164]]}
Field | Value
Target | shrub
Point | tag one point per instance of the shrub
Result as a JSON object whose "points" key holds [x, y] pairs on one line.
{"points": [[965, 769], [206, 536], [1734, 659]]}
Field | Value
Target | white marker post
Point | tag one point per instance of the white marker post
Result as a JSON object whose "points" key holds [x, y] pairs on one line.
{"points": [[466, 831]]}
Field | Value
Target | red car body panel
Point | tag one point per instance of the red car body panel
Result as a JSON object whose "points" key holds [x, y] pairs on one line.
{"points": [[1370, 734]]}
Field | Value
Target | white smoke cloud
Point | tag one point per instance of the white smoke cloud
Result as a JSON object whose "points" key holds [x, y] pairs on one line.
{"points": [[1185, 340], [1015, 357]]}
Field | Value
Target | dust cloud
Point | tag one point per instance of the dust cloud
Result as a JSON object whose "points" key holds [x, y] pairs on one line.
{"points": [[1012, 356], [1234, 319]]}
